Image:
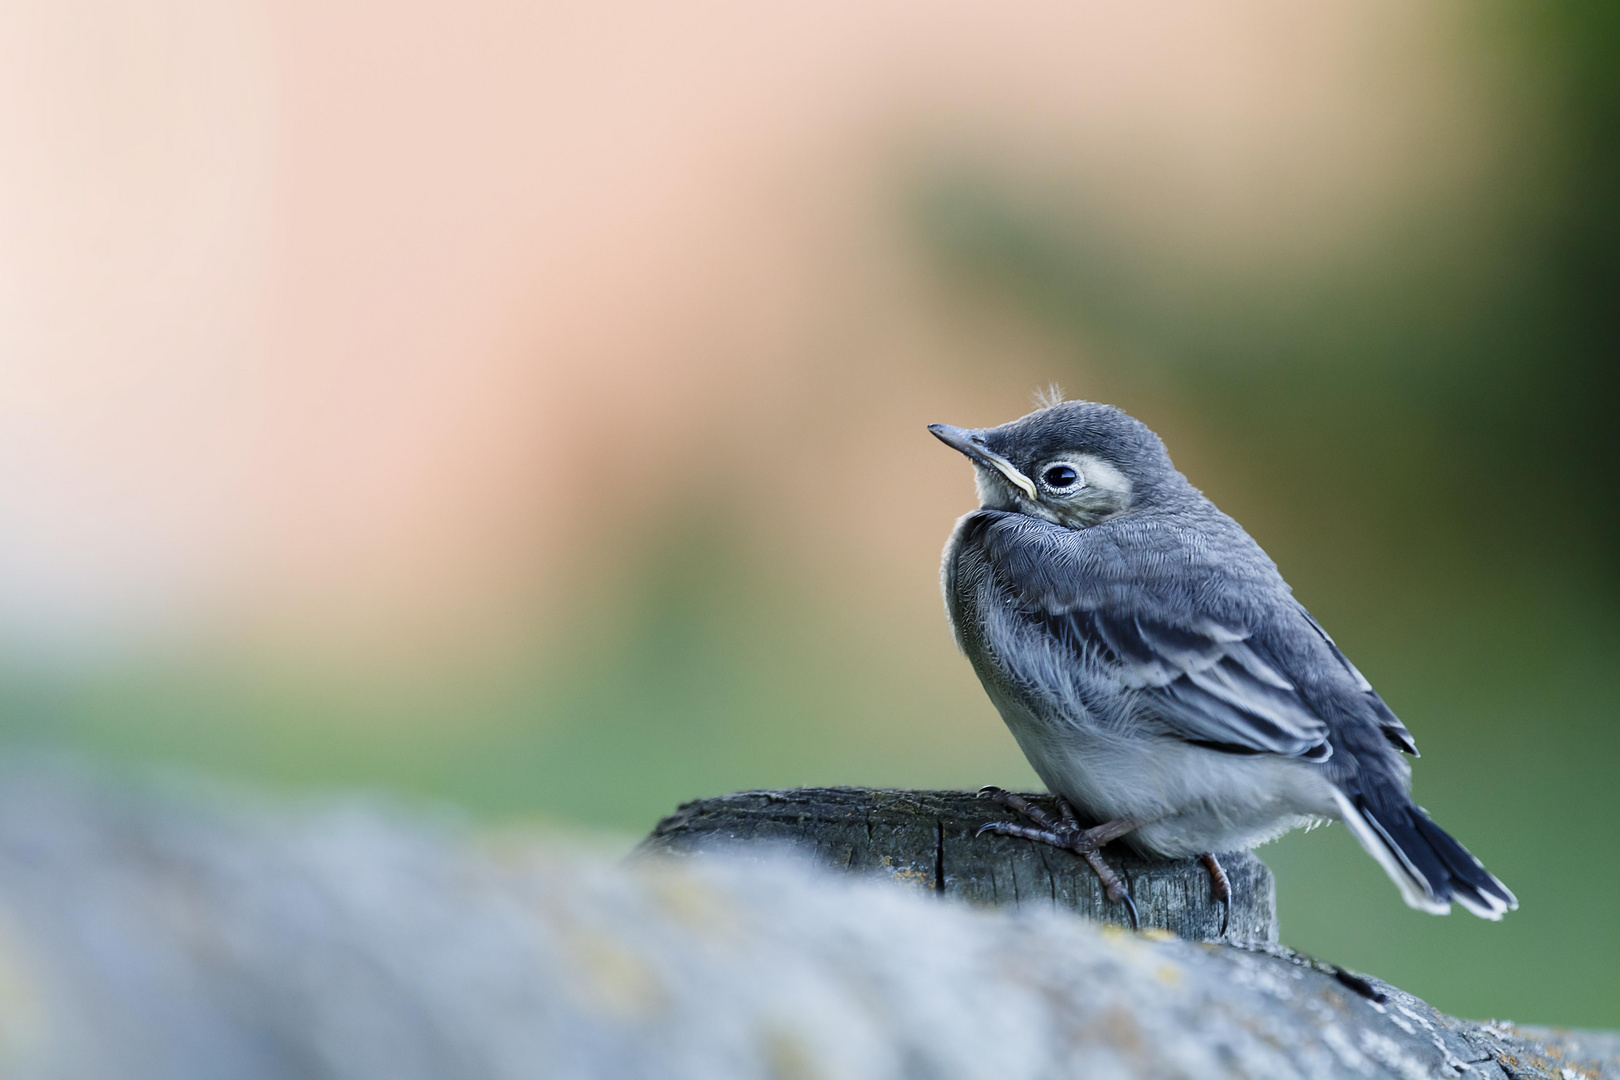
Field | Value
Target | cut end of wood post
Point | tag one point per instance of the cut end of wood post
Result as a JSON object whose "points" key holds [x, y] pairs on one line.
{"points": [[926, 840]]}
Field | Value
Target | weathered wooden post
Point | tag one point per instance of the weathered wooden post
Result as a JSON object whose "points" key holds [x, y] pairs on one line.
{"points": [[926, 839]]}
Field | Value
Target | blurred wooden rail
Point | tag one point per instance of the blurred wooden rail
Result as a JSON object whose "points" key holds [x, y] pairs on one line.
{"points": [[147, 933]]}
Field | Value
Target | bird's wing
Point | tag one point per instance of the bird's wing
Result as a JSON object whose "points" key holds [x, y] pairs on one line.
{"points": [[1388, 722], [1171, 612], [1209, 684]]}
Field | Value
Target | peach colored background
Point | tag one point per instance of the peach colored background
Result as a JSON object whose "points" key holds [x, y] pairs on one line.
{"points": [[327, 324]]}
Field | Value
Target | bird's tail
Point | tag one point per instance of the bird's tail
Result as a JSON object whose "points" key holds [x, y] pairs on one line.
{"points": [[1430, 867]]}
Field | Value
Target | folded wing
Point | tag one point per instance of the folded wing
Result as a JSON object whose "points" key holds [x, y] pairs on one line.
{"points": [[1211, 684], [1388, 722]]}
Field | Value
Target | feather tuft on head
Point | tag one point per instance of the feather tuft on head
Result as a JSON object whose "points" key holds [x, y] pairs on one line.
{"points": [[1049, 395]]}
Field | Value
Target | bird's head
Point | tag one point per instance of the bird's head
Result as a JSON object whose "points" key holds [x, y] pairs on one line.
{"points": [[1076, 463]]}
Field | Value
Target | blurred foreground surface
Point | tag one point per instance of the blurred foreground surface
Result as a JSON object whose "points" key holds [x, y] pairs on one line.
{"points": [[148, 936]]}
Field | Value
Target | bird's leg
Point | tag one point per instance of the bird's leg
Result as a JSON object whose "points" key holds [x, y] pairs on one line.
{"points": [[1220, 889], [1052, 832], [1111, 884], [1066, 834], [1066, 808]]}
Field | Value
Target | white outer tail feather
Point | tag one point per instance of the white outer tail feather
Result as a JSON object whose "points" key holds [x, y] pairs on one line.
{"points": [[1415, 888], [1493, 913]]}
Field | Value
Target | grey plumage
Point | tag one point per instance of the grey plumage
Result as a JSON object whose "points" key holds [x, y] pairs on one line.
{"points": [[1154, 665]]}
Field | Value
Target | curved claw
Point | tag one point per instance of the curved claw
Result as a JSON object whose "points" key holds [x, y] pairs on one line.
{"points": [[1220, 888], [1065, 834]]}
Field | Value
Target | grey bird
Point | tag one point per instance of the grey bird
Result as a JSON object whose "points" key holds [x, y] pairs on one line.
{"points": [[1157, 671]]}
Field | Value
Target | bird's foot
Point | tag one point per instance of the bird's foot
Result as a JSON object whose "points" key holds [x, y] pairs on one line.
{"points": [[1067, 834], [1220, 889]]}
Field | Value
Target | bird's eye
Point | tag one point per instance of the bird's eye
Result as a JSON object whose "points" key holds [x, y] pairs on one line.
{"points": [[1060, 476]]}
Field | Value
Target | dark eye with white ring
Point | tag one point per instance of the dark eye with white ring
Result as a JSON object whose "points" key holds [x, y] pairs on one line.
{"points": [[1060, 476]]}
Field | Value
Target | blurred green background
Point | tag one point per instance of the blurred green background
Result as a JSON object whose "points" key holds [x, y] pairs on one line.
{"points": [[1415, 416]]}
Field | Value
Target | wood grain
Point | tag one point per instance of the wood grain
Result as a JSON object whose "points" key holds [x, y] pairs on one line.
{"points": [[925, 839]]}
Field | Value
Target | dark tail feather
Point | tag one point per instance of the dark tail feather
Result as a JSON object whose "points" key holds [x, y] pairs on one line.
{"points": [[1474, 887], [1430, 867]]}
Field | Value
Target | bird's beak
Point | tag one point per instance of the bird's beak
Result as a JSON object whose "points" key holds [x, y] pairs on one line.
{"points": [[971, 443]]}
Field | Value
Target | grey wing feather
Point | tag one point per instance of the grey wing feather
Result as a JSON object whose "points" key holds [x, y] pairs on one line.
{"points": [[1194, 616], [1211, 685], [1391, 725], [1163, 607]]}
